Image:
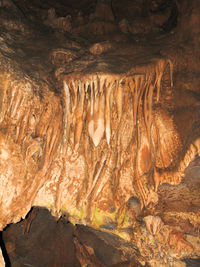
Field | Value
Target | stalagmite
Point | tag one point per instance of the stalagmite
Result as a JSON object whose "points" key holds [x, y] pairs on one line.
{"points": [[153, 224]]}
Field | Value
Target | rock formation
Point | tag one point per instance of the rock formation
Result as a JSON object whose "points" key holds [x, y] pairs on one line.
{"points": [[99, 123]]}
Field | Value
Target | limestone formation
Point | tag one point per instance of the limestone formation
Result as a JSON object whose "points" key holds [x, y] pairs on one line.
{"points": [[99, 123]]}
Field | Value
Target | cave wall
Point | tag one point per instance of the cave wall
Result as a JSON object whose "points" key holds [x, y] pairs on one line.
{"points": [[99, 119]]}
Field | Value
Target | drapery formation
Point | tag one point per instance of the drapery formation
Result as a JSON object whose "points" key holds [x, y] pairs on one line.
{"points": [[31, 128], [95, 104]]}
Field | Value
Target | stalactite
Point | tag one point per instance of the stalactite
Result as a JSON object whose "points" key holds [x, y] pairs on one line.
{"points": [[44, 121], [79, 115], [23, 126], [75, 90], [146, 105], [149, 118], [143, 87], [67, 115], [53, 135], [13, 97], [131, 87], [96, 123], [159, 70], [140, 83], [105, 94], [96, 87], [4, 99], [91, 99], [16, 103], [98, 93], [109, 87], [119, 99], [96, 176]]}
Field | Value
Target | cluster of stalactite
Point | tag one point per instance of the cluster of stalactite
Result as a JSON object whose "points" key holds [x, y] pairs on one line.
{"points": [[95, 104], [93, 97], [31, 128], [107, 138]]}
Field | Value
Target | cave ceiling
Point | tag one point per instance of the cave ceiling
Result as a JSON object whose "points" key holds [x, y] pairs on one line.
{"points": [[100, 119]]}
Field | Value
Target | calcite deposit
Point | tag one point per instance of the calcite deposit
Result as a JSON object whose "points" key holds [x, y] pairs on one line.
{"points": [[99, 123]]}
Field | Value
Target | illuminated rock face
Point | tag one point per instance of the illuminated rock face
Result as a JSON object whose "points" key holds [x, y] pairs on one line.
{"points": [[97, 130], [108, 119], [31, 131]]}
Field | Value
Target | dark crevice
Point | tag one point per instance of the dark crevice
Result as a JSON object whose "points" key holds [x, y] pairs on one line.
{"points": [[173, 17], [192, 262], [4, 252]]}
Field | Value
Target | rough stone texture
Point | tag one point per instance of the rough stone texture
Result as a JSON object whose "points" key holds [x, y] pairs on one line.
{"points": [[99, 104], [29, 243], [33, 243]]}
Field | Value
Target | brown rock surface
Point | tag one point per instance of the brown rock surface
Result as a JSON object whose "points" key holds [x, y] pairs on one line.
{"points": [[40, 240], [95, 112]]}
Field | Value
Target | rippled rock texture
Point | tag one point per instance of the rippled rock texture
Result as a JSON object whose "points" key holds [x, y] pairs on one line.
{"points": [[99, 122]]}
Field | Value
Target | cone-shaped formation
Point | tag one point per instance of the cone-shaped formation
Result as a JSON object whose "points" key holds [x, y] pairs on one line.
{"points": [[92, 97], [95, 103]]}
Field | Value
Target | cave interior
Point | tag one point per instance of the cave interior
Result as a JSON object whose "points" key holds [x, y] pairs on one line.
{"points": [[100, 133]]}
